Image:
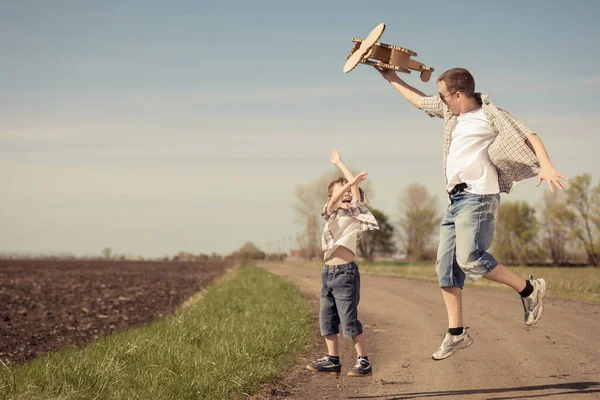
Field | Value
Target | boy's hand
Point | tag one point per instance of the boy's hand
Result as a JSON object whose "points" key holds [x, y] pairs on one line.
{"points": [[360, 177], [334, 157], [551, 175]]}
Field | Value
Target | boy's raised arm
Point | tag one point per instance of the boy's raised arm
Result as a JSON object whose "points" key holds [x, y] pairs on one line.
{"points": [[336, 160]]}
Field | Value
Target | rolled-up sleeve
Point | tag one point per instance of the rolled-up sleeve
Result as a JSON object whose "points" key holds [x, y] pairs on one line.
{"points": [[433, 106], [324, 212]]}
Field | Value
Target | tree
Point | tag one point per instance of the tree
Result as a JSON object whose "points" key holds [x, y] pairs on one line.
{"points": [[248, 251], [419, 222], [378, 242], [106, 252], [516, 232], [310, 199], [557, 221], [585, 202]]}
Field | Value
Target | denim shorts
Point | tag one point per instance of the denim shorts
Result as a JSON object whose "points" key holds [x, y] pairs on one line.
{"points": [[466, 234], [340, 294]]}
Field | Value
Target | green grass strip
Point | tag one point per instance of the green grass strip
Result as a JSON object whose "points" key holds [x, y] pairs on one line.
{"points": [[245, 331]]}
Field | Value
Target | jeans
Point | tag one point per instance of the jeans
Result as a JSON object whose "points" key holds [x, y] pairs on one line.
{"points": [[340, 294], [466, 234]]}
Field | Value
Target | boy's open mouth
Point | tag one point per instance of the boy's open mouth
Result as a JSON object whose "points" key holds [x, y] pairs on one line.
{"points": [[348, 201]]}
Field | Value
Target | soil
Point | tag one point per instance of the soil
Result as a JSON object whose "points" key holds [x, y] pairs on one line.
{"points": [[49, 304]]}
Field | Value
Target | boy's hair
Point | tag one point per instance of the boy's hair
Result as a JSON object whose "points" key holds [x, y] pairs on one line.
{"points": [[458, 80], [341, 180]]}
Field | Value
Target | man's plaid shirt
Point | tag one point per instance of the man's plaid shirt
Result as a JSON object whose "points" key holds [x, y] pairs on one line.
{"points": [[514, 160], [358, 210]]}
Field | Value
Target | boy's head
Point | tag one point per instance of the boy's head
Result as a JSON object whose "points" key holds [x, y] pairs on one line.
{"points": [[344, 202]]}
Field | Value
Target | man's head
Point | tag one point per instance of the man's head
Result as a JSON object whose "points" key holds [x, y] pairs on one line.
{"points": [[456, 88], [344, 202]]}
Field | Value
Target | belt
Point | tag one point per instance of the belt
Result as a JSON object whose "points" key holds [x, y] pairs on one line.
{"points": [[349, 265], [457, 189]]}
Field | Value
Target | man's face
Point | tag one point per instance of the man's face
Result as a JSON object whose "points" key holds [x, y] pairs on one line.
{"points": [[344, 202], [449, 98]]}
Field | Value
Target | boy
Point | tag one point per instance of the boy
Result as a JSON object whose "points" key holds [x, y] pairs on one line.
{"points": [[347, 217]]}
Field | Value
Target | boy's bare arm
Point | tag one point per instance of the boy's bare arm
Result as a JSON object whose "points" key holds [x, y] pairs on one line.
{"points": [[547, 170], [337, 194], [411, 94], [336, 160]]}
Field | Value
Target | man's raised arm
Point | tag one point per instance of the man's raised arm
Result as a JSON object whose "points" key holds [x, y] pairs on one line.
{"points": [[411, 94]]}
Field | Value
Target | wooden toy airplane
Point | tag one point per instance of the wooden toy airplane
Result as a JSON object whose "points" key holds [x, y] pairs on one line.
{"points": [[371, 52]]}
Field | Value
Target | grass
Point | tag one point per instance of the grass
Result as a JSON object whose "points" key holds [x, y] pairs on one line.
{"points": [[581, 283], [244, 332]]}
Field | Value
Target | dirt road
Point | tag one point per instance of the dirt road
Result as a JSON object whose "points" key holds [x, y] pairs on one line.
{"points": [[405, 320]]}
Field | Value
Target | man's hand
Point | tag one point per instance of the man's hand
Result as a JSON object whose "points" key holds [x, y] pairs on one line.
{"points": [[388, 74], [334, 157], [359, 178], [551, 176]]}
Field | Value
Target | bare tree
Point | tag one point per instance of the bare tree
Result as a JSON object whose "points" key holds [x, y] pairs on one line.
{"points": [[585, 201], [419, 222], [516, 232], [557, 221]]}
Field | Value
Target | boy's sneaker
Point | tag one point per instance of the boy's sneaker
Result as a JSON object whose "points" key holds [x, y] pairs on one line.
{"points": [[533, 304], [362, 368], [325, 365], [452, 343]]}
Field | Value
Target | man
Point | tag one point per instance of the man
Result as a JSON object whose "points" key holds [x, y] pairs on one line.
{"points": [[486, 151]]}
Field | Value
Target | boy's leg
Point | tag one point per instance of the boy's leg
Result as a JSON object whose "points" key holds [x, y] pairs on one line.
{"points": [[332, 345], [329, 322], [359, 345], [346, 290]]}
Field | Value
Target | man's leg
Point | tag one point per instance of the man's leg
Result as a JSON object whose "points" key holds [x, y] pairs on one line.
{"points": [[504, 275], [475, 227], [453, 299], [532, 291], [451, 279]]}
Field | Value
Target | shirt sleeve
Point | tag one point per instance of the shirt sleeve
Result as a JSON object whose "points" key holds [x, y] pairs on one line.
{"points": [[360, 211], [517, 126], [324, 213], [433, 106]]}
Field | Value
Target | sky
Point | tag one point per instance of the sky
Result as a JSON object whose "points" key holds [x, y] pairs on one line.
{"points": [[152, 127]]}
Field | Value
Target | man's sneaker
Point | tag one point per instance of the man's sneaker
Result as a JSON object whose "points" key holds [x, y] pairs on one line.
{"points": [[452, 343], [533, 304], [362, 368], [325, 365]]}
